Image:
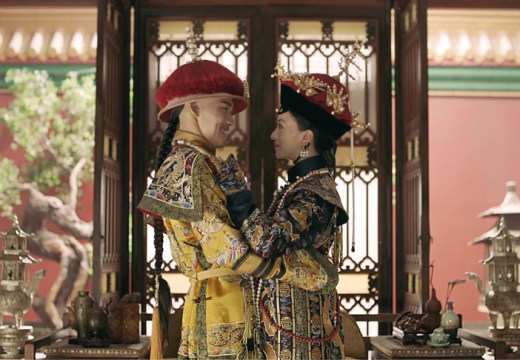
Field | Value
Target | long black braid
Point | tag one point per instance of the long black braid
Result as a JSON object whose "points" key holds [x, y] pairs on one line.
{"points": [[165, 299]]}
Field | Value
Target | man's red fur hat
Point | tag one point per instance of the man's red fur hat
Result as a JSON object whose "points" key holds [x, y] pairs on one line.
{"points": [[199, 80]]}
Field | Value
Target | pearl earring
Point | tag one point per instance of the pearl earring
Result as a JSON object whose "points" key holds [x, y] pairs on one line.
{"points": [[304, 152]]}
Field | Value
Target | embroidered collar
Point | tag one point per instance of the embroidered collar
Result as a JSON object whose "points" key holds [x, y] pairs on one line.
{"points": [[195, 140], [305, 166]]}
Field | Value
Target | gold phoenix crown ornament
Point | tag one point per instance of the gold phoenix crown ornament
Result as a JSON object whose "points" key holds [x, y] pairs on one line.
{"points": [[311, 86], [336, 99]]}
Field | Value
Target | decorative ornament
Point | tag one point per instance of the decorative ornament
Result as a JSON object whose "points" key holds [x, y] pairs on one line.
{"points": [[309, 86], [191, 44], [349, 57]]}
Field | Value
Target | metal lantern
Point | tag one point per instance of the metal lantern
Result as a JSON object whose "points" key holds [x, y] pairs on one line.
{"points": [[503, 261], [501, 295], [503, 298], [15, 293], [509, 209]]}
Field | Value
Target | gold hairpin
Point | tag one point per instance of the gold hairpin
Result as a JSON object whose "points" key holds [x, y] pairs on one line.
{"points": [[191, 44], [356, 125], [305, 83], [348, 60], [344, 65]]}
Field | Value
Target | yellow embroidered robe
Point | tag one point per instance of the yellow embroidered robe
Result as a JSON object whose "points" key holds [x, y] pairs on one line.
{"points": [[196, 220]]}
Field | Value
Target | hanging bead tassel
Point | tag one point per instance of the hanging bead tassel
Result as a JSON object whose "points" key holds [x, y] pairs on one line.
{"points": [[254, 343], [338, 247]]}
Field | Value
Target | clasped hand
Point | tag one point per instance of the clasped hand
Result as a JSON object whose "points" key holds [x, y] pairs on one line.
{"points": [[231, 178]]}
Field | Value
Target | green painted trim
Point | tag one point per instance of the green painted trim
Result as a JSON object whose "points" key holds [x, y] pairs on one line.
{"points": [[471, 79], [441, 78], [57, 72], [465, 78]]}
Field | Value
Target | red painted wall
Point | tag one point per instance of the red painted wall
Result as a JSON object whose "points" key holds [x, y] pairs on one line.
{"points": [[84, 211], [474, 151]]}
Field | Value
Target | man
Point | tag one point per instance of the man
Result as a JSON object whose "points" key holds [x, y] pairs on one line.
{"points": [[199, 100]]}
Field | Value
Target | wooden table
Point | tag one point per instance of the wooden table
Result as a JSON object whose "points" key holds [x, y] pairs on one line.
{"points": [[483, 337], [62, 349], [391, 348]]}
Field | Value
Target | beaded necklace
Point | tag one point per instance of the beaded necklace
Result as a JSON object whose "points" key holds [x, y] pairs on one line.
{"points": [[290, 187], [278, 205], [303, 338], [256, 302]]}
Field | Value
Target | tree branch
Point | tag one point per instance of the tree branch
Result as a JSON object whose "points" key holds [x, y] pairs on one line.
{"points": [[73, 182], [46, 143], [24, 186], [41, 207]]}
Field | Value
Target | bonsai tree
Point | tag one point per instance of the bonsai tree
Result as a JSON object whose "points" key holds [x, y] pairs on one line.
{"points": [[55, 128]]}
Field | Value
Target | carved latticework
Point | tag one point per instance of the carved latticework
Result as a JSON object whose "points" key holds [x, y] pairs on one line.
{"points": [[358, 187]]}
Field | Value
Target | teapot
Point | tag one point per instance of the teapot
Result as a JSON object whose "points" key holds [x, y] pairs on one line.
{"points": [[90, 320], [439, 337], [96, 322]]}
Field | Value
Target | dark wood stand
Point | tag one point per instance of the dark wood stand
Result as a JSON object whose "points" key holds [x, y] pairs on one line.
{"points": [[391, 348], [483, 337], [55, 344]]}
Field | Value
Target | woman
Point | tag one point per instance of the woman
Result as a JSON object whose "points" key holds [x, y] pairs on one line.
{"points": [[305, 214]]}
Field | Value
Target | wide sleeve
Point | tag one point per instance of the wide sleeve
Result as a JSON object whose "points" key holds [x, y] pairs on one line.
{"points": [[300, 223], [224, 246], [175, 191]]}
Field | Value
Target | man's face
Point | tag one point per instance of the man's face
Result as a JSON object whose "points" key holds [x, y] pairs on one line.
{"points": [[216, 119]]}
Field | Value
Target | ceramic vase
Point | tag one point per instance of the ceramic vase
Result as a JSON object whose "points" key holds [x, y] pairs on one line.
{"points": [[450, 321]]}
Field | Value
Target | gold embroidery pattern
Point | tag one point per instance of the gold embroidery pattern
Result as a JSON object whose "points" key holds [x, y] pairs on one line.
{"points": [[175, 193], [225, 336], [202, 345], [325, 187]]}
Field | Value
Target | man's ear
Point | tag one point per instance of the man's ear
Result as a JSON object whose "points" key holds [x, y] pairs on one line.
{"points": [[194, 106]]}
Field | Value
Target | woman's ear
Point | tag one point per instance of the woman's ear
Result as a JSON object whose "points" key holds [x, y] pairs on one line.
{"points": [[308, 136], [195, 108]]}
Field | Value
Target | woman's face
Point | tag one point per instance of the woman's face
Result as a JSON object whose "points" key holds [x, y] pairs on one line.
{"points": [[288, 139]]}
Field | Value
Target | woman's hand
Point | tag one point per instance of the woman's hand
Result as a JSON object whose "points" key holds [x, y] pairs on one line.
{"points": [[231, 178]]}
